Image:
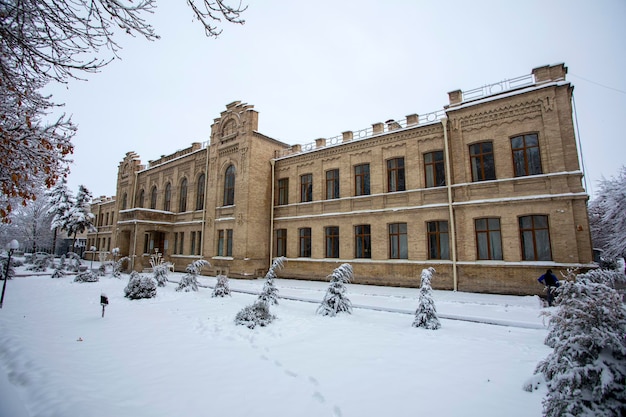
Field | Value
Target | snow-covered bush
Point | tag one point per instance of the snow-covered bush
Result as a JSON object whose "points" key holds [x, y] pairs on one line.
{"points": [[222, 287], [335, 301], [189, 282], [102, 270], [426, 313], [58, 269], [118, 265], [257, 314], [586, 372], [40, 263], [160, 269], [140, 286], [87, 276], [269, 293], [74, 262]]}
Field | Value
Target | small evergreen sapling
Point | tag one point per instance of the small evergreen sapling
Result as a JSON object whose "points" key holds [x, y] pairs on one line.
{"points": [[222, 287], [335, 301], [118, 265], [258, 314], [140, 286], [586, 372], [269, 293], [426, 313], [74, 263], [189, 282]]}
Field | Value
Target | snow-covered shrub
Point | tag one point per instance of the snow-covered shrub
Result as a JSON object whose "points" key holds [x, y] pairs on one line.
{"points": [[269, 293], [160, 269], [118, 265], [189, 282], [335, 301], [40, 263], [426, 313], [87, 276], [58, 269], [257, 314], [222, 287], [74, 262], [101, 270], [140, 286], [3, 268], [586, 372]]}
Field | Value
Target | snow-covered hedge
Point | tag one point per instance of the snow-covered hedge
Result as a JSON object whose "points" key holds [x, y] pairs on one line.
{"points": [[87, 276], [257, 314], [140, 286]]}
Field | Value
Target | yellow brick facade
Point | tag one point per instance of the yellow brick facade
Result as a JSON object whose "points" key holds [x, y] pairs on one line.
{"points": [[488, 191]]}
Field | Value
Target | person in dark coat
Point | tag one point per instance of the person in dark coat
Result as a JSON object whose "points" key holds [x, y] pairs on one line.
{"points": [[551, 282]]}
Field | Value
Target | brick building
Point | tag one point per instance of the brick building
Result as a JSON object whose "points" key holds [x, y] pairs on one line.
{"points": [[487, 190]]}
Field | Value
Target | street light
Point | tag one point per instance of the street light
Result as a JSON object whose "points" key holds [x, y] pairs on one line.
{"points": [[11, 246]]}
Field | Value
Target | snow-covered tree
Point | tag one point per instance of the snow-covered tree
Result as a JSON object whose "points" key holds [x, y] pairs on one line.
{"points": [[426, 313], [586, 372], [607, 217], [189, 281], [74, 263], [335, 301], [140, 286], [269, 293], [80, 216], [87, 276], [222, 287], [61, 201], [258, 314]]}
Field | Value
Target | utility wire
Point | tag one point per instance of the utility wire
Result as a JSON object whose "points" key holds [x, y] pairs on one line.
{"points": [[601, 85], [580, 148]]}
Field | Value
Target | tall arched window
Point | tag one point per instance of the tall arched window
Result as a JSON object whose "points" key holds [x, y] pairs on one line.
{"points": [[200, 192], [229, 186], [142, 197], [124, 201], [153, 198], [167, 203], [182, 206]]}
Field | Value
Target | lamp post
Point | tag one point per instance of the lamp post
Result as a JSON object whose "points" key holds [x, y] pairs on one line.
{"points": [[11, 246]]}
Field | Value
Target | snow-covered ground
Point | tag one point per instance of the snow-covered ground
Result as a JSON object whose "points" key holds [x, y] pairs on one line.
{"points": [[181, 354]]}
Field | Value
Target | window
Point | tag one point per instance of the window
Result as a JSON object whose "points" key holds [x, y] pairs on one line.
{"points": [[225, 242], [488, 239], [332, 242], [107, 218], [434, 170], [199, 246], [438, 242], [535, 236], [181, 247], [229, 186], [362, 241], [124, 201], [167, 201], [142, 198], [281, 242], [362, 179], [398, 247], [146, 243], [395, 175], [175, 243], [100, 219], [108, 244], [332, 184], [182, 202], [283, 192], [200, 192], [306, 188], [526, 157], [193, 243], [305, 242], [483, 166]]}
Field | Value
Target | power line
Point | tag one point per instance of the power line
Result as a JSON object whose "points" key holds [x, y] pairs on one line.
{"points": [[601, 85]]}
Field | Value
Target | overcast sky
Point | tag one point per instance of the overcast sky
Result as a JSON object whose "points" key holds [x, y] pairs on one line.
{"points": [[317, 68]]}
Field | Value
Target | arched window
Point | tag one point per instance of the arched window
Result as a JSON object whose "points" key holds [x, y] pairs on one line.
{"points": [[153, 198], [168, 197], [200, 192], [182, 206], [229, 186], [124, 201], [142, 197]]}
